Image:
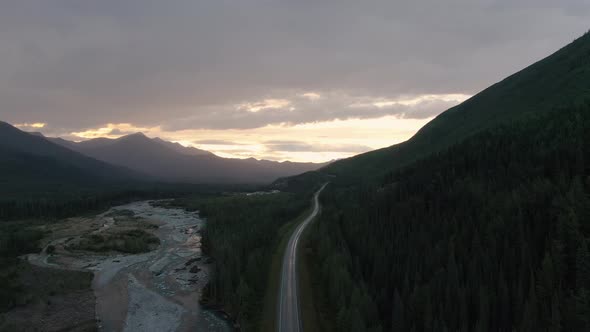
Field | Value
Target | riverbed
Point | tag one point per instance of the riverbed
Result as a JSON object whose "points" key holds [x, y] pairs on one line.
{"points": [[154, 291]]}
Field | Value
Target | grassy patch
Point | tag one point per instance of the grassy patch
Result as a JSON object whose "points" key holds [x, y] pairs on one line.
{"points": [[32, 283], [19, 237], [43, 299], [129, 241], [16, 238], [121, 213]]}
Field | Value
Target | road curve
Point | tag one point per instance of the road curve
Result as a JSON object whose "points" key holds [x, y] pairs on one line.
{"points": [[288, 313]]}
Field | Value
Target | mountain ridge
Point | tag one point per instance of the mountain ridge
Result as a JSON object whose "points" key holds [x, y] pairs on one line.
{"points": [[169, 161], [558, 79], [32, 164]]}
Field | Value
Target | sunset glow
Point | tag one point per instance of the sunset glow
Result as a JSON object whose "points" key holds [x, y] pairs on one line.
{"points": [[324, 140]]}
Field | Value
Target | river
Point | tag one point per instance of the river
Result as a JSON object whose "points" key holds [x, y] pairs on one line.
{"points": [[154, 291]]}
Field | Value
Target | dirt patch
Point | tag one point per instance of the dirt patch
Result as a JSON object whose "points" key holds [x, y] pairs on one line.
{"points": [[111, 304], [52, 300], [149, 311]]}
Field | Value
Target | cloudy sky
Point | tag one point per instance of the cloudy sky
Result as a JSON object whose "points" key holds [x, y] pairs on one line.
{"points": [[281, 79]]}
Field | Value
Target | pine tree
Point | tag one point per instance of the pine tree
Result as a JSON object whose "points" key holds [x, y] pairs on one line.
{"points": [[398, 313], [583, 267]]}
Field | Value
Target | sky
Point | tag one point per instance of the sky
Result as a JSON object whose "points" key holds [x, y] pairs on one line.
{"points": [[282, 80]]}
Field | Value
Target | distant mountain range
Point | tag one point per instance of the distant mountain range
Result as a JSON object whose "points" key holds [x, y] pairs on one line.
{"points": [[33, 164], [102, 142], [34, 158]]}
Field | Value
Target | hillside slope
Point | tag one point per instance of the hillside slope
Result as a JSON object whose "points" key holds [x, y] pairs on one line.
{"points": [[492, 234], [31, 164], [173, 162], [561, 78], [480, 222]]}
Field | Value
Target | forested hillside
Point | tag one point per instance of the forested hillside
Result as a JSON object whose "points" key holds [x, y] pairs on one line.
{"points": [[41, 179], [491, 234], [480, 222], [241, 236], [560, 79], [37, 164]]}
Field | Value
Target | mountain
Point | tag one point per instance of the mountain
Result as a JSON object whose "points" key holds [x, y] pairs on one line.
{"points": [[492, 234], [562, 78], [169, 161], [56, 140], [480, 222], [191, 151], [32, 163]]}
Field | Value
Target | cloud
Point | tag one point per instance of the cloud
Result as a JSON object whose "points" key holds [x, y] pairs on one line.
{"points": [[298, 146], [119, 132], [296, 109], [215, 142], [77, 65], [30, 126], [311, 95], [267, 104], [111, 130]]}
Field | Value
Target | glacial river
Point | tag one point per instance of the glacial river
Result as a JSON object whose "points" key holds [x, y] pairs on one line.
{"points": [[159, 289], [156, 291]]}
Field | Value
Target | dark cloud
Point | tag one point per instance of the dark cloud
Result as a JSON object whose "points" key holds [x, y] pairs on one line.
{"points": [[184, 64], [302, 110], [297, 146], [116, 131]]}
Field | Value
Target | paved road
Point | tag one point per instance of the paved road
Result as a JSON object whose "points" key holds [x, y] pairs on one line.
{"points": [[289, 320]]}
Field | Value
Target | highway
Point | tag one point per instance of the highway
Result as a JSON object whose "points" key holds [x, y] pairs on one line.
{"points": [[289, 319]]}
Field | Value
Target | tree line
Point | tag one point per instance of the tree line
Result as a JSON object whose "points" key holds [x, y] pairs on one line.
{"points": [[491, 234], [241, 235]]}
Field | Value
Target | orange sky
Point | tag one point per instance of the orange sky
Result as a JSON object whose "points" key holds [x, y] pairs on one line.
{"points": [[318, 141], [329, 140]]}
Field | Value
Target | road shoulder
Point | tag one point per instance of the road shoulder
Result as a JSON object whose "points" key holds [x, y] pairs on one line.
{"points": [[270, 305], [312, 302]]}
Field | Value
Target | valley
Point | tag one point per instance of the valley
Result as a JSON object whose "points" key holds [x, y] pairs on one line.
{"points": [[289, 166], [151, 287]]}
